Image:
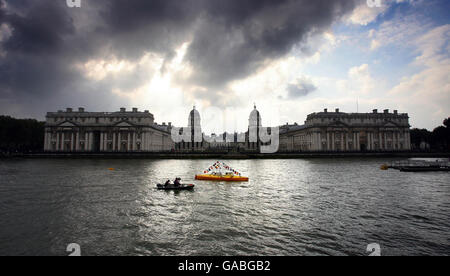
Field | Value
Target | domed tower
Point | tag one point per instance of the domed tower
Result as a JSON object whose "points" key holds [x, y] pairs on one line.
{"points": [[194, 125], [254, 124]]}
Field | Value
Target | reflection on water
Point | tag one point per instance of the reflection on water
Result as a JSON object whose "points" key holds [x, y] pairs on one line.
{"points": [[289, 207]]}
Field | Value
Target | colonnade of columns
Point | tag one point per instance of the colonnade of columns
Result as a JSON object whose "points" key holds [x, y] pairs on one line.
{"points": [[349, 140], [106, 141]]}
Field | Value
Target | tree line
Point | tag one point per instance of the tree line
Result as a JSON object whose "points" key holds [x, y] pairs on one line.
{"points": [[21, 135], [436, 140]]}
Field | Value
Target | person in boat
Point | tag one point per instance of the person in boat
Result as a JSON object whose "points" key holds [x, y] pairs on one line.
{"points": [[167, 183], [177, 182]]}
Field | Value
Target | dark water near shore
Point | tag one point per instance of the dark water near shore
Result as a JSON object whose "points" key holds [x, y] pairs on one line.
{"points": [[289, 207]]}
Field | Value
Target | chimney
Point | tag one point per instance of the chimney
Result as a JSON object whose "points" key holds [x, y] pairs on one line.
{"points": [[81, 109], [123, 109], [135, 109], [146, 111], [69, 109], [164, 124], [337, 110], [375, 111], [170, 124], [395, 112], [325, 110], [386, 111]]}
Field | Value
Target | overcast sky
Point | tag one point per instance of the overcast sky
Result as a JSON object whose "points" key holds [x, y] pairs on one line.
{"points": [[290, 57]]}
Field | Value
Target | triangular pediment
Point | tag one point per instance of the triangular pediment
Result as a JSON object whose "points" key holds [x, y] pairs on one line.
{"points": [[390, 124], [124, 124], [67, 124]]}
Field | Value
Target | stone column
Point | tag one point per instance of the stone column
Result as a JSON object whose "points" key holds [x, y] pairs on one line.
{"points": [[385, 140], [347, 135], [119, 144], [105, 141], [134, 141], [129, 142], [380, 142], [372, 142], [114, 141], [143, 141], [333, 142], [101, 141], [86, 141], [358, 143], [342, 141], [393, 140], [319, 147], [57, 142], [72, 139], [396, 147], [62, 141], [77, 141], [328, 141], [91, 141]]}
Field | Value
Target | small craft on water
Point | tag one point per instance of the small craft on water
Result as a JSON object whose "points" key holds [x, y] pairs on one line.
{"points": [[215, 173], [175, 186], [419, 166]]}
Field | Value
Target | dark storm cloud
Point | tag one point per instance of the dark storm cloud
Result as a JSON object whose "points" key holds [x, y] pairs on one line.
{"points": [[301, 88], [230, 40], [238, 37]]}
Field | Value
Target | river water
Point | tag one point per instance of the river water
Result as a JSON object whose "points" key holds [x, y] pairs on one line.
{"points": [[289, 207]]}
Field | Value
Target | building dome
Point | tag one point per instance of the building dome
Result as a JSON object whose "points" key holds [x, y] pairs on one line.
{"points": [[255, 118], [194, 119]]}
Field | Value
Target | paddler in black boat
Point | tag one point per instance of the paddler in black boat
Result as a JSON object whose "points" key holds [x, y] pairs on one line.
{"points": [[167, 183], [177, 182]]}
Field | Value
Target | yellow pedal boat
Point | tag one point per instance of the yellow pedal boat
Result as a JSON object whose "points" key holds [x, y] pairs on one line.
{"points": [[227, 177]]}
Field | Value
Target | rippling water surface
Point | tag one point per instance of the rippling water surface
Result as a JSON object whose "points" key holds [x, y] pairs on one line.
{"points": [[289, 207]]}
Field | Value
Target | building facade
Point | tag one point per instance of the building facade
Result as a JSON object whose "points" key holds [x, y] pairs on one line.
{"points": [[348, 132], [122, 131]]}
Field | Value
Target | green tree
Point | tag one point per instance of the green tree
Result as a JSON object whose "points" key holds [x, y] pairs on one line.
{"points": [[21, 135], [447, 123], [418, 136]]}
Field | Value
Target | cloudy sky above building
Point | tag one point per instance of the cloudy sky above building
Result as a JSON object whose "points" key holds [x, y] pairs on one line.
{"points": [[290, 57]]}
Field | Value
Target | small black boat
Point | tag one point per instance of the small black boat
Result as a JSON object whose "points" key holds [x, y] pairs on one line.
{"points": [[425, 169], [175, 188]]}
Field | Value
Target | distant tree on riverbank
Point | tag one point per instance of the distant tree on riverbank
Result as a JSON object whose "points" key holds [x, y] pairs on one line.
{"points": [[21, 135], [438, 139]]}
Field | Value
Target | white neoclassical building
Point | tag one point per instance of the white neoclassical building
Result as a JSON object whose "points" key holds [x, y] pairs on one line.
{"points": [[122, 131], [340, 132]]}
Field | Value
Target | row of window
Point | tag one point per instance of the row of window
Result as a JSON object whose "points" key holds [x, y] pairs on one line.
{"points": [[109, 135], [362, 120], [97, 119]]}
